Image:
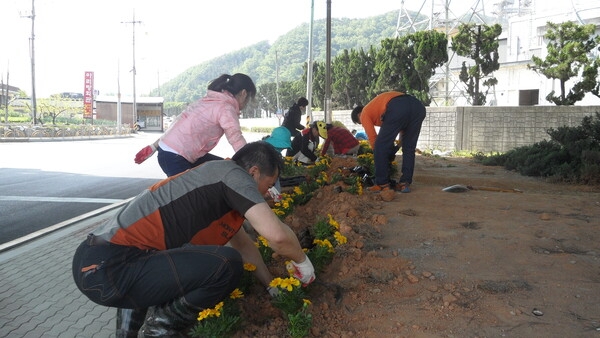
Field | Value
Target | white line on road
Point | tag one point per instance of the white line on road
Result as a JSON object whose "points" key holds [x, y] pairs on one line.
{"points": [[60, 199]]}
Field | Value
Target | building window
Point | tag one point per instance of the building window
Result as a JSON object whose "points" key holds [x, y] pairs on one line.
{"points": [[529, 97]]}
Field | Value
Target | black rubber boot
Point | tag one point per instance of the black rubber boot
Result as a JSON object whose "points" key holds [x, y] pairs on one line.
{"points": [[169, 319], [129, 322]]}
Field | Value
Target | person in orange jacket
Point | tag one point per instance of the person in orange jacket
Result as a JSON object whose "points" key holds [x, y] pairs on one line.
{"points": [[395, 113]]}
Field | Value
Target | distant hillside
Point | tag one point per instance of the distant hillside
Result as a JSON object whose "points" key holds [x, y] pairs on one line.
{"points": [[290, 51]]}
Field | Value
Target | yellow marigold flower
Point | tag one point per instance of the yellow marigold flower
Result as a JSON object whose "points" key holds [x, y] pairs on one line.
{"points": [[333, 222], [297, 190], [275, 282], [237, 293], [325, 243], [204, 314], [341, 239], [278, 213], [287, 284], [263, 241], [306, 301], [249, 267], [217, 310]]}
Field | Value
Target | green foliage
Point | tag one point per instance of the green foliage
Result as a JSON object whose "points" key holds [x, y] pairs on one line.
{"points": [[570, 49], [321, 254], [266, 252], [353, 66], [291, 294], [407, 63], [479, 43], [284, 60], [300, 322], [221, 322], [572, 154]]}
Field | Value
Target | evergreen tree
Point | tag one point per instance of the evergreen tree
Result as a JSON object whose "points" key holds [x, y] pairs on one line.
{"points": [[479, 43], [407, 63], [569, 47]]}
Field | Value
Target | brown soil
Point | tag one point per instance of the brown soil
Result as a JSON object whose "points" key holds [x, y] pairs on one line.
{"points": [[439, 264]]}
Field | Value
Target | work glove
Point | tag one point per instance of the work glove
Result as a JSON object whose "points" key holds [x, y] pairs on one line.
{"points": [[304, 271], [145, 154], [273, 291], [275, 195]]}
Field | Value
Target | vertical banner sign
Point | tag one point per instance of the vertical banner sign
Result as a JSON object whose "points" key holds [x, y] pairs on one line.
{"points": [[88, 95]]}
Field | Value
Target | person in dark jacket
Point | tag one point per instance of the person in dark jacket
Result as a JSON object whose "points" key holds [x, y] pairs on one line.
{"points": [[293, 116], [304, 146]]}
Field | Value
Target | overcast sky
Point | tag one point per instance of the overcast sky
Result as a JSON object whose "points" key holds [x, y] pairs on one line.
{"points": [[74, 36]]}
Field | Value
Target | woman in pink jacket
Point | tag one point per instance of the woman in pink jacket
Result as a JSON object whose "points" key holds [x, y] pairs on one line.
{"points": [[198, 129]]}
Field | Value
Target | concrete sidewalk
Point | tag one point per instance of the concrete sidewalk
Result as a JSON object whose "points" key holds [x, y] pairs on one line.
{"points": [[38, 297]]}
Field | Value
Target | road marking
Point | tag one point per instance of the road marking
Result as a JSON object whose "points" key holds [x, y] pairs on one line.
{"points": [[60, 199]]}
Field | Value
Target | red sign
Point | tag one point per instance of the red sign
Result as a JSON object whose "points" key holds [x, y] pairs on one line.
{"points": [[88, 95]]}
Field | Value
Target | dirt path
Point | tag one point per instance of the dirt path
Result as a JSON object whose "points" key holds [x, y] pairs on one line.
{"points": [[473, 264]]}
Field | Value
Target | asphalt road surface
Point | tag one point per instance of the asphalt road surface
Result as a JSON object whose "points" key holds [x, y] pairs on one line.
{"points": [[44, 184]]}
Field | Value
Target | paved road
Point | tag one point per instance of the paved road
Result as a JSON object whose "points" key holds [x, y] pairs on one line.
{"points": [[44, 184]]}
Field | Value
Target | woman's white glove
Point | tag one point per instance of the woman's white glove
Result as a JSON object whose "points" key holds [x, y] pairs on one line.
{"points": [[304, 271], [273, 291]]}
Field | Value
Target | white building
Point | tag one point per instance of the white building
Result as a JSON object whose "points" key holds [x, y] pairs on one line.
{"points": [[523, 29]]}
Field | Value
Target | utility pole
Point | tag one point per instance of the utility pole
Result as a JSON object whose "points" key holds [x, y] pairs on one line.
{"points": [[6, 96], [309, 67], [133, 71], [328, 111], [277, 81], [32, 55]]}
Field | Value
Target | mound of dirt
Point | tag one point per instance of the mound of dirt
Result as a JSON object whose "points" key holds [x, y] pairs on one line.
{"points": [[430, 263]]}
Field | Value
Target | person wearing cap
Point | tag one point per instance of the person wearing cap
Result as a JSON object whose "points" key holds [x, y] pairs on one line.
{"points": [[396, 113], [360, 135], [293, 116], [341, 140], [280, 138], [305, 145]]}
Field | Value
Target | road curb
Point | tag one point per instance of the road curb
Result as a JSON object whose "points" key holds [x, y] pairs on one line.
{"points": [[43, 232]]}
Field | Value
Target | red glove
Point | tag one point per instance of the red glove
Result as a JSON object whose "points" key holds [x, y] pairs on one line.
{"points": [[144, 154]]}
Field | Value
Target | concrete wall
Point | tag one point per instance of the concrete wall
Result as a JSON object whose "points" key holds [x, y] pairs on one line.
{"points": [[486, 129]]}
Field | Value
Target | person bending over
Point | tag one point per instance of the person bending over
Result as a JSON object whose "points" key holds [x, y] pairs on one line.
{"points": [[395, 113], [179, 246]]}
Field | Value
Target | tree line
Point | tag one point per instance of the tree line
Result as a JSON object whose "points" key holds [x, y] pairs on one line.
{"points": [[408, 63]]}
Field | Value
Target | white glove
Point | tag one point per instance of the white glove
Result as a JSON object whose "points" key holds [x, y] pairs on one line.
{"points": [[275, 195], [273, 291], [304, 271]]}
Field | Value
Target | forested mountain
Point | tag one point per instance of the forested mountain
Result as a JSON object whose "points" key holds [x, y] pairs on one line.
{"points": [[289, 50]]}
